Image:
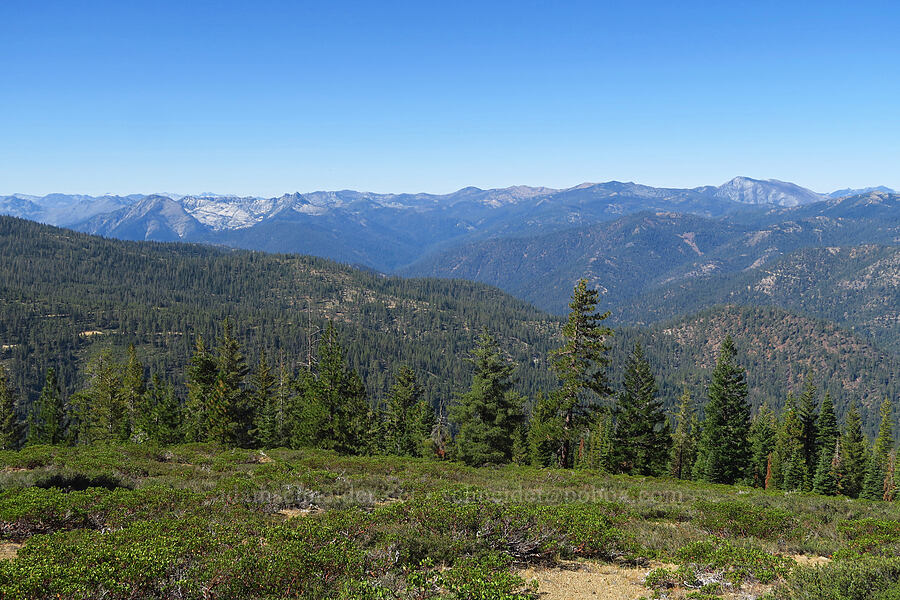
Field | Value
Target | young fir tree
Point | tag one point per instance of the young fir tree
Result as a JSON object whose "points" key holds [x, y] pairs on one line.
{"points": [[806, 411], [600, 442], [490, 412], [263, 404], [403, 410], [545, 430], [684, 442], [828, 472], [762, 444], [47, 419], [789, 460], [724, 449], [427, 425], [231, 413], [132, 391], [826, 429], [338, 400], [10, 428], [201, 379], [580, 365], [101, 413], [853, 454], [641, 439], [159, 414], [878, 475]]}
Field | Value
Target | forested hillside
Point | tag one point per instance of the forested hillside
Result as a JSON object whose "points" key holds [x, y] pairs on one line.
{"points": [[64, 295]]}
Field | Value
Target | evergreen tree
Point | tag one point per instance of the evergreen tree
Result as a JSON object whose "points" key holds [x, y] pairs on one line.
{"points": [[47, 419], [600, 442], [789, 459], [10, 428], [580, 365], [201, 380], [230, 405], [827, 479], [159, 414], [724, 449], [878, 474], [684, 442], [426, 425], [338, 399], [489, 413], [853, 453], [101, 412], [826, 429], [545, 430], [806, 411], [263, 405], [763, 434], [641, 439], [404, 407], [132, 391]]}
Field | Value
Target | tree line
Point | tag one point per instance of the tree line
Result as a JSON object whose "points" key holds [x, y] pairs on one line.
{"points": [[582, 423]]}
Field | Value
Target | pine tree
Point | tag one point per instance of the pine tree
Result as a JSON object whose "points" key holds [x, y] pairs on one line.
{"points": [[231, 407], [338, 399], [132, 391], [10, 428], [159, 414], [683, 440], [426, 424], [490, 412], [600, 442], [101, 412], [724, 449], [826, 429], [263, 405], [878, 474], [641, 439], [854, 453], [201, 379], [47, 419], [806, 411], [763, 432], [404, 406], [545, 430], [827, 479], [580, 365], [789, 459]]}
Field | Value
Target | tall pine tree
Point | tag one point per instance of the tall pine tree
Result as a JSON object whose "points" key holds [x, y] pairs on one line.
{"points": [[641, 440], [762, 444], [724, 449], [580, 365], [853, 453]]}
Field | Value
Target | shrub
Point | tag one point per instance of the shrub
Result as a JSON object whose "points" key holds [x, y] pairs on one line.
{"points": [[735, 518]]}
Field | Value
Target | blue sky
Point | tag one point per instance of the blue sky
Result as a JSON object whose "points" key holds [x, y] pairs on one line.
{"points": [[264, 97]]}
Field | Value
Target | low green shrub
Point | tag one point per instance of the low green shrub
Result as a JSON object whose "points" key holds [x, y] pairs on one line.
{"points": [[864, 578], [741, 519], [737, 562]]}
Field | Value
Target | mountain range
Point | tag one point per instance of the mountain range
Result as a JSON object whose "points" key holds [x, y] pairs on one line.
{"points": [[388, 232]]}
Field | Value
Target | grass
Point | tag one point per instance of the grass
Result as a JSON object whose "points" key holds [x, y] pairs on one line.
{"points": [[197, 521]]}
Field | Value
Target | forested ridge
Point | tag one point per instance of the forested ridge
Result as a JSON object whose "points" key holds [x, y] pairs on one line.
{"points": [[65, 296]]}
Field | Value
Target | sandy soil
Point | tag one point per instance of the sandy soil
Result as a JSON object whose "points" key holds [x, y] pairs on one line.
{"points": [[595, 581], [8, 550]]}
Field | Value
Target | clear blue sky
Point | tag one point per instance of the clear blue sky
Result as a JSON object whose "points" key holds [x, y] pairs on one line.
{"points": [[262, 97]]}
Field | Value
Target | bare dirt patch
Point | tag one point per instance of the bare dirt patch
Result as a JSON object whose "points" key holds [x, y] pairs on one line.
{"points": [[9, 550], [805, 560], [582, 580], [291, 513]]}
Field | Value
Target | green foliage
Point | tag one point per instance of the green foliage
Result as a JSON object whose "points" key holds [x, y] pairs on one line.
{"points": [[740, 519], [862, 579], [763, 432], [10, 427], [47, 418], [641, 440], [739, 562], [853, 454], [580, 365], [684, 440], [489, 414], [406, 416], [724, 449]]}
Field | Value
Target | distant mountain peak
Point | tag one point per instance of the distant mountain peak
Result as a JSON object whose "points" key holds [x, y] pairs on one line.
{"points": [[747, 190]]}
